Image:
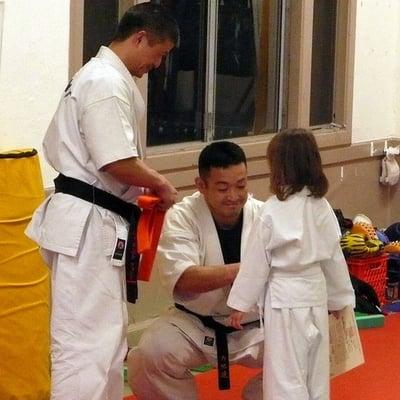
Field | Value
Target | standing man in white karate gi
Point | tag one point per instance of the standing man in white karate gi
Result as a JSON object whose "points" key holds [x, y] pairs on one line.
{"points": [[198, 259], [82, 229]]}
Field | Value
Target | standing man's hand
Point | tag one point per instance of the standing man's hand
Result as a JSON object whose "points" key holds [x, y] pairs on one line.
{"points": [[134, 171], [168, 195]]}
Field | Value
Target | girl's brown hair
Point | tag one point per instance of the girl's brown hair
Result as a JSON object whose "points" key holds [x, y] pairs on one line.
{"points": [[295, 163]]}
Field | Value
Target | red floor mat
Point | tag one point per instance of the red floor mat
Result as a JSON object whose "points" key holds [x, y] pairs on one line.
{"points": [[377, 379]]}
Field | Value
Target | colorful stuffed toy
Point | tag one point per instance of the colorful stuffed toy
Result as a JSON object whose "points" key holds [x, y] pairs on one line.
{"points": [[356, 244]]}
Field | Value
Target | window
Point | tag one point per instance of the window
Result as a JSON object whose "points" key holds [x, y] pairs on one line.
{"points": [[320, 39], [223, 80], [244, 68]]}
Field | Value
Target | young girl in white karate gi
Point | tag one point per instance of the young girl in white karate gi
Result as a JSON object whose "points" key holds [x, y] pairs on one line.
{"points": [[294, 268]]}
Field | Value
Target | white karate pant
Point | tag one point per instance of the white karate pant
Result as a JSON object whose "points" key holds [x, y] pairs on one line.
{"points": [[88, 319], [159, 368], [296, 364]]}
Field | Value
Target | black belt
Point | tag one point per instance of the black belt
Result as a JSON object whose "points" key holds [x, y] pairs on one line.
{"points": [[221, 332], [129, 211]]}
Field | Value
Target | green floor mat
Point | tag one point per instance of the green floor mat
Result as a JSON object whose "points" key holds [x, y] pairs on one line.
{"points": [[202, 368], [369, 320]]}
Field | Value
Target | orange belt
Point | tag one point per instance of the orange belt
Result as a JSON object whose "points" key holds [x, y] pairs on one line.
{"points": [[148, 233]]}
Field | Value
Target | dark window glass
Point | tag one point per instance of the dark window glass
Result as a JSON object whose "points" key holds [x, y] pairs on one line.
{"points": [[236, 69], [100, 22], [245, 84], [176, 89], [323, 62]]}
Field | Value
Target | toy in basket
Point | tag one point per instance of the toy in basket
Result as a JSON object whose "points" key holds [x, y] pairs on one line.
{"points": [[372, 270], [358, 245]]}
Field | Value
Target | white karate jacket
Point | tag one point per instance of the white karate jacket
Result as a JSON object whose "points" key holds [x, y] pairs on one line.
{"points": [[294, 252], [96, 123], [190, 238]]}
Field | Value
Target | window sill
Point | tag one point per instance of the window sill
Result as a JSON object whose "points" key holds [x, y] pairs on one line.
{"points": [[184, 155]]}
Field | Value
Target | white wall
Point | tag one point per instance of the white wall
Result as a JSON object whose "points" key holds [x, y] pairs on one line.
{"points": [[376, 101], [33, 70]]}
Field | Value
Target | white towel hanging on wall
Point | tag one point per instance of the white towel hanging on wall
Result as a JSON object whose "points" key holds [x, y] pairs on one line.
{"points": [[390, 168]]}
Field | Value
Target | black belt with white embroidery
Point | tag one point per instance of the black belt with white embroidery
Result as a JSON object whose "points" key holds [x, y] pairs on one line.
{"points": [[221, 332], [129, 211]]}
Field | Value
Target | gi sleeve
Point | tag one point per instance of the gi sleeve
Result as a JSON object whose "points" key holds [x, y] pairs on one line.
{"points": [[255, 267], [338, 283], [178, 249], [108, 131]]}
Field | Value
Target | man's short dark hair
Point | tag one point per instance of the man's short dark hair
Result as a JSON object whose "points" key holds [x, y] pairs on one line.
{"points": [[220, 155], [149, 17]]}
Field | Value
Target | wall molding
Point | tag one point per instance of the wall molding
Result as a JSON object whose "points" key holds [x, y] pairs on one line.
{"points": [[181, 166], [182, 170]]}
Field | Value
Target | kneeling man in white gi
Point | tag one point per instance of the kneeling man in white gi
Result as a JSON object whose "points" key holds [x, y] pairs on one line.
{"points": [[198, 259]]}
